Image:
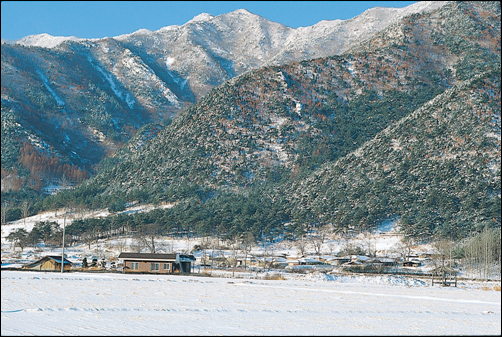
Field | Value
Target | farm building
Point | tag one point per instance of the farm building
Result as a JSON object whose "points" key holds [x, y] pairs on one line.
{"points": [[336, 261], [156, 263], [382, 261], [444, 276], [361, 258], [293, 262], [353, 263], [49, 263], [411, 263], [308, 261]]}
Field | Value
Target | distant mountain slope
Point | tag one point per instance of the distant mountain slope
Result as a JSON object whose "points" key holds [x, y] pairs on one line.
{"points": [[277, 120], [81, 99], [328, 38]]}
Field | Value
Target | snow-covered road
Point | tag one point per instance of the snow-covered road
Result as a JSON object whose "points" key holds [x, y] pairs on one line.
{"points": [[116, 304]]}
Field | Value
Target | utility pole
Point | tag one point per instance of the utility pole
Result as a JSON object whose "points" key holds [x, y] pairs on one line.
{"points": [[62, 253]]}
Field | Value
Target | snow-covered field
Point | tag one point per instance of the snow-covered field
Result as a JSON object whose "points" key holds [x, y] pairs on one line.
{"points": [[315, 303], [121, 304]]}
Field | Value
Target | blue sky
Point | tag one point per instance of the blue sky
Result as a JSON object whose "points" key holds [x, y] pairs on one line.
{"points": [[98, 19]]}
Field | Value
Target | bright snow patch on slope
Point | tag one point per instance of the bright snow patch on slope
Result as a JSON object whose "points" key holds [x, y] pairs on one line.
{"points": [[169, 61], [128, 99], [53, 93]]}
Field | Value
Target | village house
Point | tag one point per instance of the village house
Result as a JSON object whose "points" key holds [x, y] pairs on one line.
{"points": [[156, 263], [293, 262], [308, 261], [381, 261], [337, 261], [279, 262], [411, 263], [49, 263], [203, 260], [387, 261], [352, 263]]}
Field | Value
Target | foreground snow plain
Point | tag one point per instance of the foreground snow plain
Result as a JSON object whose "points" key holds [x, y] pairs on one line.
{"points": [[122, 304]]}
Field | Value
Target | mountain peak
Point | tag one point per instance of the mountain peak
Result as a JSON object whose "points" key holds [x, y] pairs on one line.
{"points": [[202, 17], [45, 40], [242, 11]]}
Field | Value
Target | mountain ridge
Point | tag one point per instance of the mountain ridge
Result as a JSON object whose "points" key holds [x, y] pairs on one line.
{"points": [[94, 94]]}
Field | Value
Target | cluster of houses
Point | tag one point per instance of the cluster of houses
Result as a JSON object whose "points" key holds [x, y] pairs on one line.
{"points": [[181, 263], [176, 263], [325, 263]]}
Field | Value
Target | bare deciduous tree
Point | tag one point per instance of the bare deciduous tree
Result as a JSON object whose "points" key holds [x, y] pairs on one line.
{"points": [[404, 247], [317, 239], [481, 253], [331, 248], [25, 207], [246, 243], [87, 237], [301, 245], [235, 248], [121, 245], [64, 182], [147, 236], [5, 209], [443, 251], [368, 241]]}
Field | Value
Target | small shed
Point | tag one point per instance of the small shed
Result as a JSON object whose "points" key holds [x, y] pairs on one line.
{"points": [[411, 263], [336, 261], [293, 262], [444, 276], [352, 263], [386, 261], [308, 261], [361, 258], [49, 263]]}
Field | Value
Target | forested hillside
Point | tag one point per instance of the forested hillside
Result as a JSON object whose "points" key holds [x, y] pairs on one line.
{"points": [[437, 170], [269, 126]]}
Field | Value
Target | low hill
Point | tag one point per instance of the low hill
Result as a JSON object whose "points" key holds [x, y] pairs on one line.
{"points": [[437, 170]]}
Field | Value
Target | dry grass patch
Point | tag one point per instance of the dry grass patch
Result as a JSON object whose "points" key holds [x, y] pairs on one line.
{"points": [[496, 288], [273, 277]]}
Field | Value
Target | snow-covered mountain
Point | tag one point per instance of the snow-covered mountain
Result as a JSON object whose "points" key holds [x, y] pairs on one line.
{"points": [[208, 50], [403, 124], [81, 99]]}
